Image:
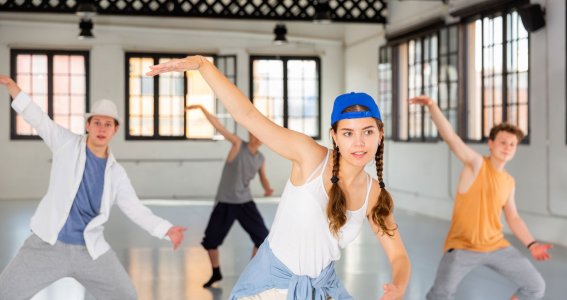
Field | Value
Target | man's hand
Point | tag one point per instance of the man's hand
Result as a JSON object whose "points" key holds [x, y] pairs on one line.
{"points": [[12, 87], [175, 234], [391, 292], [539, 251], [268, 192]]}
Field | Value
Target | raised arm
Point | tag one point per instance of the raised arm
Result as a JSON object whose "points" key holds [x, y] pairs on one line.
{"points": [[463, 152], [241, 108], [229, 136], [521, 231], [268, 191], [52, 133]]}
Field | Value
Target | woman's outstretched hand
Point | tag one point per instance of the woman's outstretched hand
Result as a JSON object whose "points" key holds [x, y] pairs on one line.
{"points": [[391, 292], [177, 65]]}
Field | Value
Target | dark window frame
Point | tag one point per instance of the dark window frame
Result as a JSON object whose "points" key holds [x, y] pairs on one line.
{"points": [[504, 13], [446, 108], [424, 113], [385, 56], [284, 59], [50, 53], [156, 56]]}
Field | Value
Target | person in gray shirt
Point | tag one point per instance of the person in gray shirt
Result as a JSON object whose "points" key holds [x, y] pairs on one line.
{"points": [[234, 199]]}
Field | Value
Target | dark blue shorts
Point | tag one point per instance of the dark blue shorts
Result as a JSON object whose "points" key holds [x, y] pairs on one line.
{"points": [[224, 215]]}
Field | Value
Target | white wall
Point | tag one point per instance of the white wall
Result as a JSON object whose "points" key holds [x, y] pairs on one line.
{"points": [[423, 176], [25, 165]]}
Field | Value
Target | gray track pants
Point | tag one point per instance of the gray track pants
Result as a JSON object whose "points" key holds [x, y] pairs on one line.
{"points": [[508, 262], [38, 264]]}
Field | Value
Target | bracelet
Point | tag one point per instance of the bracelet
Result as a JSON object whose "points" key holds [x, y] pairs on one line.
{"points": [[530, 244]]}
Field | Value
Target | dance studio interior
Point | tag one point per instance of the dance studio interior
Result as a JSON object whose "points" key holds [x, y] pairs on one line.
{"points": [[483, 62]]}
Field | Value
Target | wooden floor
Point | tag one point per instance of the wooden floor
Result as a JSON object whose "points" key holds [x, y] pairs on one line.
{"points": [[160, 273]]}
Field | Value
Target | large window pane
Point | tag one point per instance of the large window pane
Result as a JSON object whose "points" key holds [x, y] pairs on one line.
{"points": [[385, 88], [423, 78], [156, 105], [449, 73], [268, 84], [501, 69], [141, 108], [286, 90], [57, 82]]}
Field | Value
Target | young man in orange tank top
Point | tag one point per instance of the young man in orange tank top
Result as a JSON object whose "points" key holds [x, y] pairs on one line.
{"points": [[476, 238]]}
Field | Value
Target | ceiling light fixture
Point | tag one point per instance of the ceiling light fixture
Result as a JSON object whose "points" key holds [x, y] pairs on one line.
{"points": [[86, 26], [280, 31]]}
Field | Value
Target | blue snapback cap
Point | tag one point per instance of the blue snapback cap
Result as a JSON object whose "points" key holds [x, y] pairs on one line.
{"points": [[349, 99]]}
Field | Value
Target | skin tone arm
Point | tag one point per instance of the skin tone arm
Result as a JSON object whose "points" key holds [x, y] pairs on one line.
{"points": [[520, 230], [305, 153], [229, 136], [13, 88], [395, 251], [464, 153], [268, 191]]}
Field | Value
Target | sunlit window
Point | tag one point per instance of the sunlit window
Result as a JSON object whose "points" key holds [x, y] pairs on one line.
{"points": [[449, 73], [422, 79], [498, 74], [156, 105], [385, 88], [287, 91], [58, 82]]}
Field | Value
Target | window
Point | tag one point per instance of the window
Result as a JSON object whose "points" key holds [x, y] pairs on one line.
{"points": [[57, 81], [422, 79], [227, 65], [498, 85], [156, 105], [385, 88], [449, 73], [287, 91]]}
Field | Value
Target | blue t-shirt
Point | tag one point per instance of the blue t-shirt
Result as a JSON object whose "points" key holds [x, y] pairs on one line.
{"points": [[86, 205]]}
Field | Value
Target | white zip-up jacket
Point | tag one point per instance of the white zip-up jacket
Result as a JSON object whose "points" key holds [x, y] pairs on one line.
{"points": [[69, 158]]}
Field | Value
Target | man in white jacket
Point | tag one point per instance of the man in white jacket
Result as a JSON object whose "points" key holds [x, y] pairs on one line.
{"points": [[67, 228]]}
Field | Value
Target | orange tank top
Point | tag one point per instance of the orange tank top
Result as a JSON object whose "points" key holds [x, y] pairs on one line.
{"points": [[476, 224]]}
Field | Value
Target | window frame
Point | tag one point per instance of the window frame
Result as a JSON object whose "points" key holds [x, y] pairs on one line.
{"points": [[505, 72], [386, 56], [460, 81], [400, 73], [157, 137], [424, 113], [285, 59], [50, 53]]}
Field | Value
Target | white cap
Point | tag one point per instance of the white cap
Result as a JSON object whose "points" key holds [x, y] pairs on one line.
{"points": [[104, 107]]}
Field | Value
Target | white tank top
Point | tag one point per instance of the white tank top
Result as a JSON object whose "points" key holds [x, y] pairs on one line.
{"points": [[300, 236]]}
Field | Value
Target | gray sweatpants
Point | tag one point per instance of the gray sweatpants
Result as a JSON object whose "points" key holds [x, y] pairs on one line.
{"points": [[508, 262], [38, 264]]}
